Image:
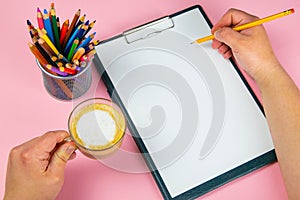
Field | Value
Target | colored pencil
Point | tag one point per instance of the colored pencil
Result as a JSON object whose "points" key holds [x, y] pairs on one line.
{"points": [[78, 54], [75, 61], [83, 58], [56, 70], [40, 19], [82, 30], [80, 21], [64, 88], [61, 57], [70, 42], [48, 26], [96, 42], [63, 31], [42, 51], [70, 30], [54, 27], [76, 67], [82, 64], [91, 54], [91, 25], [37, 54], [249, 25], [67, 70], [51, 39], [58, 26], [68, 65], [54, 58], [33, 32], [43, 63], [51, 8], [89, 48], [48, 41], [45, 46], [74, 46], [86, 41]]}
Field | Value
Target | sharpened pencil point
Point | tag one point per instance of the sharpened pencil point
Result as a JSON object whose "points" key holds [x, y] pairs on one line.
{"points": [[38, 10]]}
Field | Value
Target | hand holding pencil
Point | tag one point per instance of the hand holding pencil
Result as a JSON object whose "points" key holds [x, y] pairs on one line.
{"points": [[242, 26], [250, 47]]}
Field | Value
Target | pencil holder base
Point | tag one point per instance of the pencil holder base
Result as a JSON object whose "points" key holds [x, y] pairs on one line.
{"points": [[67, 88]]}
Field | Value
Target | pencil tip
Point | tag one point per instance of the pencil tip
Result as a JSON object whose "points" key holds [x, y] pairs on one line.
{"points": [[28, 22], [52, 5], [38, 9], [45, 11], [193, 42]]}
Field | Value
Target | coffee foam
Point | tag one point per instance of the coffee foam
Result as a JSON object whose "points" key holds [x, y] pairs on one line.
{"points": [[97, 126]]}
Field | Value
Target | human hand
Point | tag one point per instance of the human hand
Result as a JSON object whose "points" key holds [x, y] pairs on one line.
{"points": [[35, 169], [250, 47]]}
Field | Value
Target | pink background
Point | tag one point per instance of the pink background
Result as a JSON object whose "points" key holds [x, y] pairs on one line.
{"points": [[28, 110]]}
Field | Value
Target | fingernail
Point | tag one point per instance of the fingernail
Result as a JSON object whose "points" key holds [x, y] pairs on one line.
{"points": [[217, 34], [70, 149]]}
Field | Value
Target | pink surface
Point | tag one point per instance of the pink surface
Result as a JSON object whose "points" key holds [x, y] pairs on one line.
{"points": [[28, 111]]}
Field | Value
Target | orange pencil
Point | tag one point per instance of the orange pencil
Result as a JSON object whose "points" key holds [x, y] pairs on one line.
{"points": [[71, 28], [78, 54], [37, 54], [63, 31]]}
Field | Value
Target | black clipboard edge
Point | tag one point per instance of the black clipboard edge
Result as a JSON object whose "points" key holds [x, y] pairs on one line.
{"points": [[246, 168]]}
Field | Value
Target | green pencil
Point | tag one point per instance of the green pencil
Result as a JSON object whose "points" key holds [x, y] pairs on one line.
{"points": [[74, 46], [54, 26]]}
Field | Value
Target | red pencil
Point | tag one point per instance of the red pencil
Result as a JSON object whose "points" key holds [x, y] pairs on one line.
{"points": [[67, 70], [63, 31], [40, 19], [71, 28]]}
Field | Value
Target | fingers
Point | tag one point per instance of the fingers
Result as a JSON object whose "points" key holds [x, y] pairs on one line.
{"points": [[73, 156], [232, 18], [60, 157], [49, 140], [222, 49], [229, 37]]}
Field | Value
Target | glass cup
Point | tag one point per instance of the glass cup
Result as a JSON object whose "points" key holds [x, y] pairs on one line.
{"points": [[97, 127]]}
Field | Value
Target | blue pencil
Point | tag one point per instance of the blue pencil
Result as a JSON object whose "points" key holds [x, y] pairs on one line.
{"points": [[70, 42], [86, 41], [82, 30], [48, 26]]}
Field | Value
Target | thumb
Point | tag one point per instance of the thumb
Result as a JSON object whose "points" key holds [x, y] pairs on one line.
{"points": [[229, 36], [60, 157]]}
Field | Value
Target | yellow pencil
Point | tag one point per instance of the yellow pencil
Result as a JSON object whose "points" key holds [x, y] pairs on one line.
{"points": [[78, 54], [249, 25], [42, 34]]}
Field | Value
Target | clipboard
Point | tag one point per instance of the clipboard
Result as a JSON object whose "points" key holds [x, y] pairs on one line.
{"points": [[192, 114]]}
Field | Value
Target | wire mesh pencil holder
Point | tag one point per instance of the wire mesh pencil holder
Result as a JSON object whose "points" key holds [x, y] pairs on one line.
{"points": [[70, 87]]}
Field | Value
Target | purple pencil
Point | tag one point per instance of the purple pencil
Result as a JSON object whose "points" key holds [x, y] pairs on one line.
{"points": [[56, 70]]}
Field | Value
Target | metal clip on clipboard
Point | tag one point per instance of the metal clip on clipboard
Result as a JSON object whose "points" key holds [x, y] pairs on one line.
{"points": [[148, 30]]}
